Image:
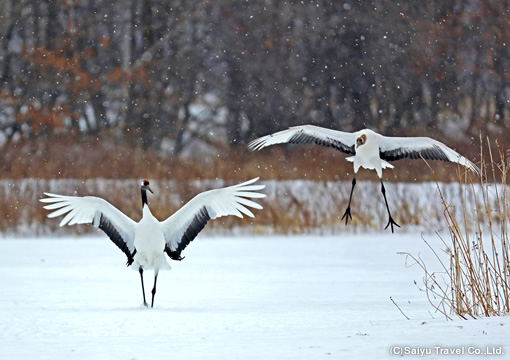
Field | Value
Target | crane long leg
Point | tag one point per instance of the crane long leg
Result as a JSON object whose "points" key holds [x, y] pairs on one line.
{"points": [[154, 288], [347, 213], [143, 289], [390, 221]]}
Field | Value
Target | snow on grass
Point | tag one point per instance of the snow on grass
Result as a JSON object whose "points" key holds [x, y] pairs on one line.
{"points": [[291, 207], [275, 297]]}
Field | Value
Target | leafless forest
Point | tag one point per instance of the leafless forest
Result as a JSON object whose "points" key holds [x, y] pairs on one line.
{"points": [[175, 89], [186, 78]]}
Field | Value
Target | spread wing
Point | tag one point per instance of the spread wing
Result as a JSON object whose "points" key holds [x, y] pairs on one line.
{"points": [[308, 134], [396, 148], [183, 226], [93, 210]]}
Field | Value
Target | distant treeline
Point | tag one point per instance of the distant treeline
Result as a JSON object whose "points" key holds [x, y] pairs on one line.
{"points": [[161, 74]]}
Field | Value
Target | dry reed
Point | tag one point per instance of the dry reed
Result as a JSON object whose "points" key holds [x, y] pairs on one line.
{"points": [[475, 279]]}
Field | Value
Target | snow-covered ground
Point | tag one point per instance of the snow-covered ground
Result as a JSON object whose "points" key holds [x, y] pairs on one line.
{"points": [[301, 297]]}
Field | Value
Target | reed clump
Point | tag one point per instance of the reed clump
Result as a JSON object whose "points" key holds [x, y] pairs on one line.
{"points": [[475, 277]]}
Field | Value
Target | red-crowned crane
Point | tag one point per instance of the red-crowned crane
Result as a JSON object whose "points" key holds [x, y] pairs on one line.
{"points": [[146, 242], [370, 149]]}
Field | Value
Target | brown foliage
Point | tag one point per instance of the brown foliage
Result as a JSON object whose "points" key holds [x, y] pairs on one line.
{"points": [[65, 164], [71, 156]]}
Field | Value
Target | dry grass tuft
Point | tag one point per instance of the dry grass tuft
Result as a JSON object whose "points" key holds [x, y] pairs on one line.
{"points": [[475, 280]]}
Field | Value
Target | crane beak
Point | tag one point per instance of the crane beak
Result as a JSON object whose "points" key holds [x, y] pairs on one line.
{"points": [[149, 188]]}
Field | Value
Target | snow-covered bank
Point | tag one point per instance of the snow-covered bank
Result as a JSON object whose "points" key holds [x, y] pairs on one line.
{"points": [[276, 297], [290, 207]]}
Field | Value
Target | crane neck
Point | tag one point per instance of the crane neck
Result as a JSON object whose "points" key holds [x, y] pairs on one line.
{"points": [[144, 198]]}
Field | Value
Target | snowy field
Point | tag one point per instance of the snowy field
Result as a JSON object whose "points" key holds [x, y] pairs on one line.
{"points": [[272, 297]]}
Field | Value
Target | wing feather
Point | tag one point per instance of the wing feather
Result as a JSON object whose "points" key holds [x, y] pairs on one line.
{"points": [[183, 226], [93, 210], [60, 212], [247, 202], [308, 134], [396, 148]]}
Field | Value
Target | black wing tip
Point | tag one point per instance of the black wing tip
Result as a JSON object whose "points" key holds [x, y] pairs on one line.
{"points": [[130, 258], [110, 230], [174, 255], [197, 224]]}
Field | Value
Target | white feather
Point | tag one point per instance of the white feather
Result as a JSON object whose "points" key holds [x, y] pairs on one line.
{"points": [[421, 144], [219, 202], [367, 155], [317, 132], [150, 236], [87, 210]]}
